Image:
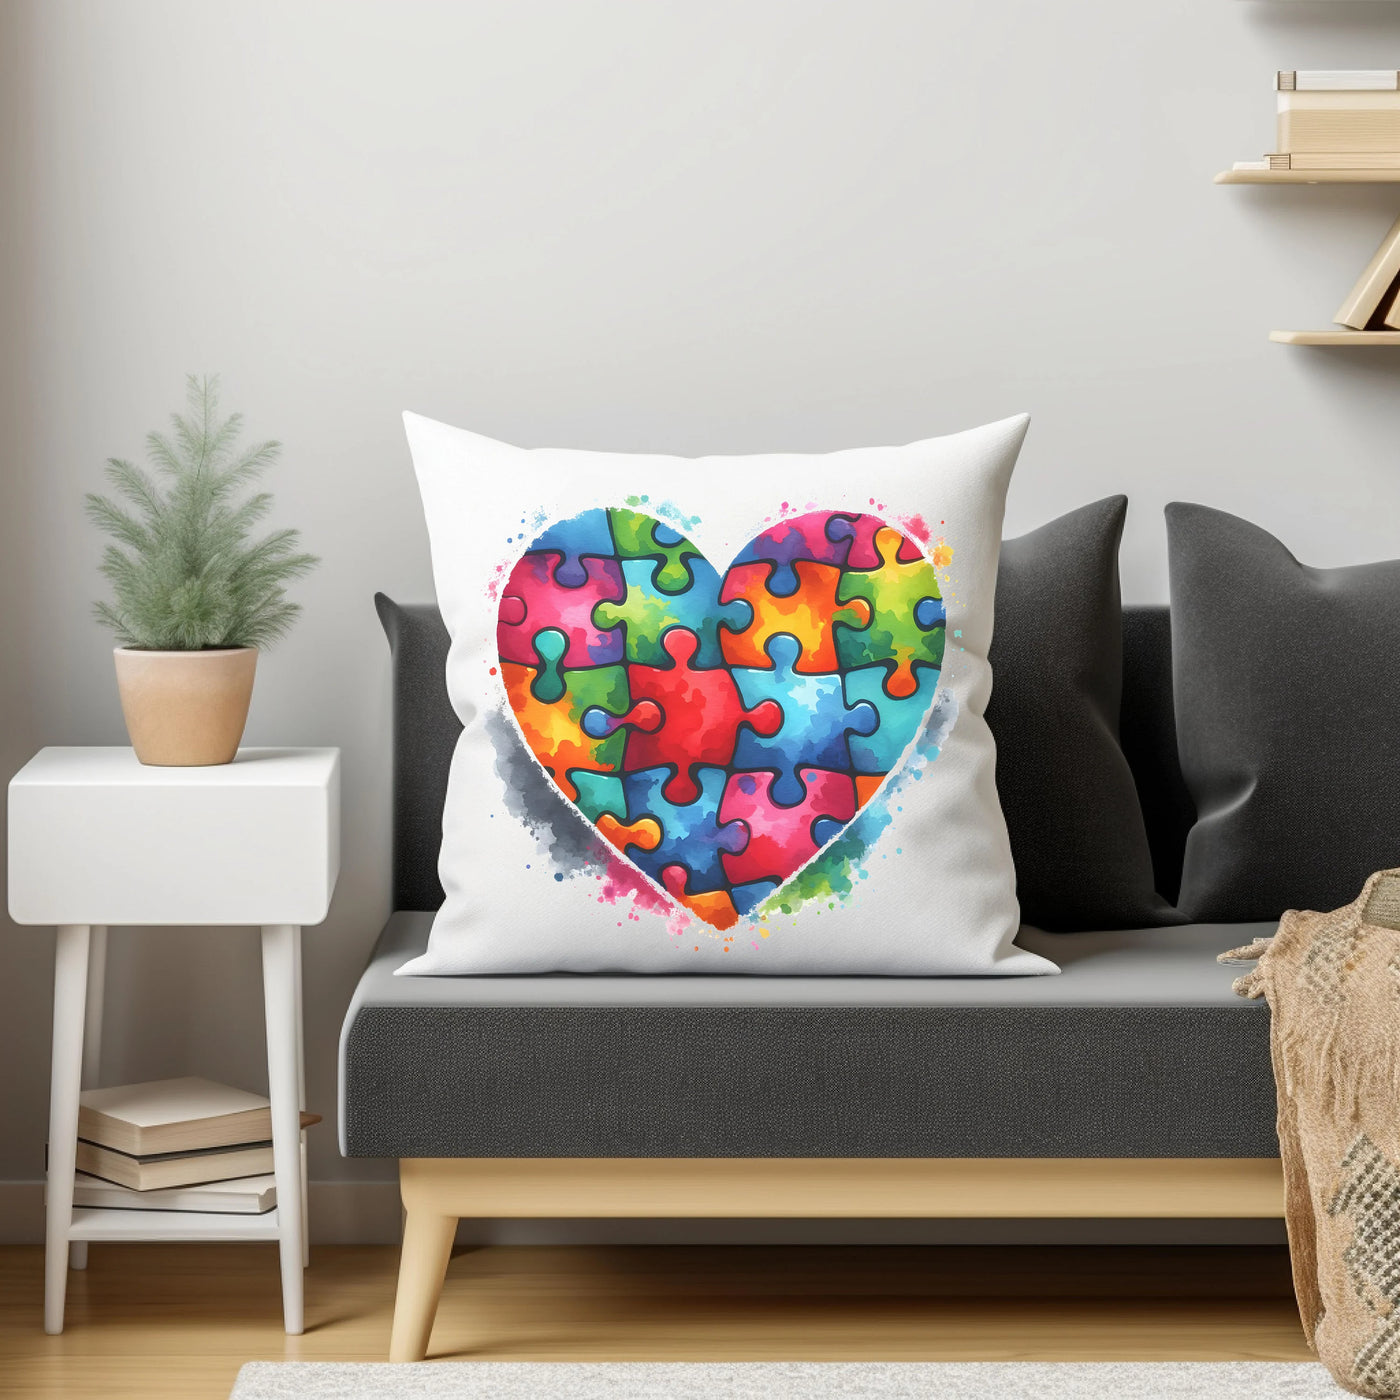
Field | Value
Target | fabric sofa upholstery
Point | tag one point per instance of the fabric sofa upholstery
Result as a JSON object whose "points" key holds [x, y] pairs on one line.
{"points": [[1138, 1049]]}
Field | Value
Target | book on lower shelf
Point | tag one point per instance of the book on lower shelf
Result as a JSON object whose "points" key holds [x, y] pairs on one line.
{"points": [[173, 1115], [171, 1134], [157, 1170], [243, 1195], [166, 1169]]}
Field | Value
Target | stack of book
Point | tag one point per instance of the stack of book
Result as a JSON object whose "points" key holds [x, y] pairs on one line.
{"points": [[1336, 119], [176, 1144]]}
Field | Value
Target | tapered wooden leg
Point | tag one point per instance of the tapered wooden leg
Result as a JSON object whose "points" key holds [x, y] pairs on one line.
{"points": [[427, 1246], [279, 946], [70, 974], [92, 1044]]}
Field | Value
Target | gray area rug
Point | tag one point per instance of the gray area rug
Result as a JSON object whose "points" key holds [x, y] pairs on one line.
{"points": [[787, 1380]]}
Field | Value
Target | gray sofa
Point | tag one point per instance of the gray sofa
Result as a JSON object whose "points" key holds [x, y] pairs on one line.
{"points": [[1138, 1050]]}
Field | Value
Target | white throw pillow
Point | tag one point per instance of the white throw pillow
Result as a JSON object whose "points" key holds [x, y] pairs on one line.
{"points": [[721, 715]]}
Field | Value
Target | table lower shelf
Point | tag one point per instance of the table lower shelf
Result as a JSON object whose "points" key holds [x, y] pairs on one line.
{"points": [[107, 1223]]}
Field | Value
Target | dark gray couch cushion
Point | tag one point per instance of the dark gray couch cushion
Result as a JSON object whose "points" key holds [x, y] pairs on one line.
{"points": [[1287, 686], [1138, 1048], [1077, 833]]}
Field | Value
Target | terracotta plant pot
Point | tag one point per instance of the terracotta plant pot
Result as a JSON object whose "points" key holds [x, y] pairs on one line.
{"points": [[185, 709]]}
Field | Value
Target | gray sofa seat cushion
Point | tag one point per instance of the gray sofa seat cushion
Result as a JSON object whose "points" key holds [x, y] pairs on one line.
{"points": [[1138, 1048]]}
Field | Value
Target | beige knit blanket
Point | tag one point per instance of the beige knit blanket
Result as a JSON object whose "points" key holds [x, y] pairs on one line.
{"points": [[1332, 982]]}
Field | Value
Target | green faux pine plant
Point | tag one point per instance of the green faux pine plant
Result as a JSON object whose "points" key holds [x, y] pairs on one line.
{"points": [[186, 572]]}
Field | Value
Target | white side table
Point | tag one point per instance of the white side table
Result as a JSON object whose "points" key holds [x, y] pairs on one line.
{"points": [[96, 840]]}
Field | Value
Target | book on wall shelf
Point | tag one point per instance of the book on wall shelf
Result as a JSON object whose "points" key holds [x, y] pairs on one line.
{"points": [[1338, 121], [169, 1135], [1332, 160], [1342, 123], [1338, 80], [1391, 319], [1375, 288], [1370, 315]]}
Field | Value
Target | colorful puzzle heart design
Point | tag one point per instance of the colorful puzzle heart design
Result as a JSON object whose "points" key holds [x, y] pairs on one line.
{"points": [[720, 731]]}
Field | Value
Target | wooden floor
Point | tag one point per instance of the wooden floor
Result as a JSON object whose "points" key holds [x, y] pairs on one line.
{"points": [[178, 1320]]}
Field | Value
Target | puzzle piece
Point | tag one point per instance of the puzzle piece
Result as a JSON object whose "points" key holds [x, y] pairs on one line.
{"points": [[550, 645], [599, 793], [554, 730], [894, 592], [748, 897], [861, 530], [858, 531], [587, 533], [644, 715], [637, 536], [701, 715], [692, 834], [901, 717], [802, 537], [781, 835], [809, 614], [714, 906], [645, 834], [533, 600], [929, 613], [647, 611], [816, 720]]}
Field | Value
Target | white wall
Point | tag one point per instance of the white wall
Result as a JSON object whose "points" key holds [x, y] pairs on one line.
{"points": [[704, 227]]}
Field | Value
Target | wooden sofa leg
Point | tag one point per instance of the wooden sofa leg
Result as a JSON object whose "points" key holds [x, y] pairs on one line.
{"points": [[427, 1246]]}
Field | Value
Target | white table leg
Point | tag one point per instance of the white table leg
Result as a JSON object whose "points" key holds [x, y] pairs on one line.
{"points": [[70, 974], [301, 1104], [92, 1044], [279, 956]]}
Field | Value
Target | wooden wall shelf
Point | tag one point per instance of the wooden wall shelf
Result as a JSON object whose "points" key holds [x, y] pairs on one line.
{"points": [[1336, 337], [1308, 177]]}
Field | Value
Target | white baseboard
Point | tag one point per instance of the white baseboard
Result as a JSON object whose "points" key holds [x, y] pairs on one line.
{"points": [[367, 1212]]}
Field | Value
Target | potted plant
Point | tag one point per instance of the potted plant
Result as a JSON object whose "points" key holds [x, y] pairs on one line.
{"points": [[195, 596]]}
